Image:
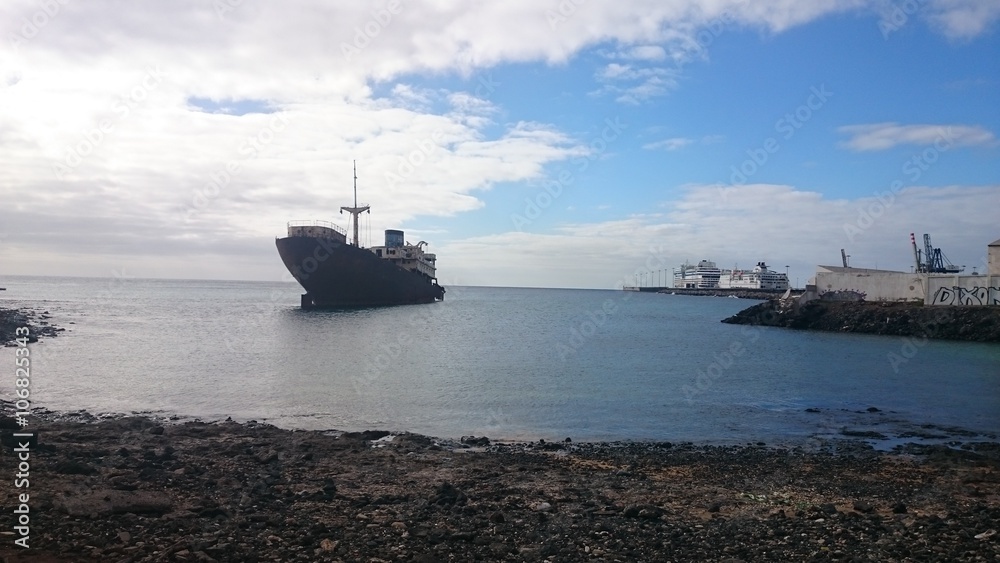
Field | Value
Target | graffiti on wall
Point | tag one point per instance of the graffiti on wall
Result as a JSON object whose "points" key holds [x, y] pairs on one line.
{"points": [[956, 295]]}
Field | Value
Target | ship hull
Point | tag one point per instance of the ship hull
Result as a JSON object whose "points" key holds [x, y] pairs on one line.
{"points": [[335, 274]]}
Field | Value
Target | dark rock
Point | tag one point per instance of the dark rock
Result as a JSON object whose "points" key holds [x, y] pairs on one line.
{"points": [[863, 434], [864, 506], [9, 423], [899, 508], [828, 508], [71, 467], [644, 511], [447, 494]]}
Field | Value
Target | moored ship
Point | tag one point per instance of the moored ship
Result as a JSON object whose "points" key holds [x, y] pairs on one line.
{"points": [[336, 272], [706, 275], [703, 276], [760, 277]]}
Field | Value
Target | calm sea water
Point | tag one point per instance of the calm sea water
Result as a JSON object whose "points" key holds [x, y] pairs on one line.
{"points": [[507, 363]]}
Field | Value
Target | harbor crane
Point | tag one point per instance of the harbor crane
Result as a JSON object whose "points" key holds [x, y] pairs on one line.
{"points": [[932, 260]]}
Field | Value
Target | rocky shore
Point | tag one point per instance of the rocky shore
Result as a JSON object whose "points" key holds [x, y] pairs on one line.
{"points": [[977, 324], [36, 321], [136, 489]]}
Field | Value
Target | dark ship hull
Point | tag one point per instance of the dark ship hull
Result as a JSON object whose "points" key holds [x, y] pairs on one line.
{"points": [[335, 274]]}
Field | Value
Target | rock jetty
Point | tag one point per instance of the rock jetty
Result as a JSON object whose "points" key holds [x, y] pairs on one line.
{"points": [[977, 324], [37, 323]]}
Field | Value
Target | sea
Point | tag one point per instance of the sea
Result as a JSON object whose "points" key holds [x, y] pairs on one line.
{"points": [[507, 363]]}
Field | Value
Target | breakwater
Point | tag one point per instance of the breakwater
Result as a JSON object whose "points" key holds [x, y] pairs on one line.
{"points": [[740, 293], [976, 324]]}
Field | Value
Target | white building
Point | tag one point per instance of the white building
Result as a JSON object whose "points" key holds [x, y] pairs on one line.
{"points": [[931, 289]]}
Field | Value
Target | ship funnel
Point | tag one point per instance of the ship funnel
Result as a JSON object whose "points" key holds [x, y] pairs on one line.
{"points": [[393, 238]]}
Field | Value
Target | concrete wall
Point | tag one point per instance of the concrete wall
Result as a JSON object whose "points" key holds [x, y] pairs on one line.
{"points": [[875, 285], [931, 289], [963, 290], [993, 259]]}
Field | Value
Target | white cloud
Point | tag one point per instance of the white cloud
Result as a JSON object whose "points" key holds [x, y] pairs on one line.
{"points": [[670, 144], [103, 90], [882, 136], [963, 19], [676, 143], [734, 225]]}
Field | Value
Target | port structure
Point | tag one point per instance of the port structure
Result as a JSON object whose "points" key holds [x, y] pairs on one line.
{"points": [[932, 260]]}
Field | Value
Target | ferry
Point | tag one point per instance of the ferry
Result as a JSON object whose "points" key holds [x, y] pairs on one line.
{"points": [[704, 275], [760, 277]]}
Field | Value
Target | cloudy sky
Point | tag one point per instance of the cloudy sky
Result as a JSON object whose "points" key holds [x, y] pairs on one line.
{"points": [[531, 143]]}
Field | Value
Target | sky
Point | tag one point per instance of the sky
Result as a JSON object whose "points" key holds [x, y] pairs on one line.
{"points": [[531, 143]]}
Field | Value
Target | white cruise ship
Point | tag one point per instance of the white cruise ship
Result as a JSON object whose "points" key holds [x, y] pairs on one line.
{"points": [[703, 276], [757, 278]]}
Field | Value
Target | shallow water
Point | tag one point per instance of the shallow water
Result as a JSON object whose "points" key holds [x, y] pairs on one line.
{"points": [[507, 363]]}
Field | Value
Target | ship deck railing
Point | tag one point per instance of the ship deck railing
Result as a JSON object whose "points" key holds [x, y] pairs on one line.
{"points": [[317, 223]]}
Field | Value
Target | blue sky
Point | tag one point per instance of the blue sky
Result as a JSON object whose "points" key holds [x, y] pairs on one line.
{"points": [[646, 112]]}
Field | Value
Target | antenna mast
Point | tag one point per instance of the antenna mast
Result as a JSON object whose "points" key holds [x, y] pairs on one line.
{"points": [[355, 211]]}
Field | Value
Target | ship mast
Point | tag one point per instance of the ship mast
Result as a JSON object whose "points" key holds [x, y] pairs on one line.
{"points": [[355, 211]]}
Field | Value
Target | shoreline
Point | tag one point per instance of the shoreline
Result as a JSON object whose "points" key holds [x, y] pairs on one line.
{"points": [[37, 323], [134, 489]]}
